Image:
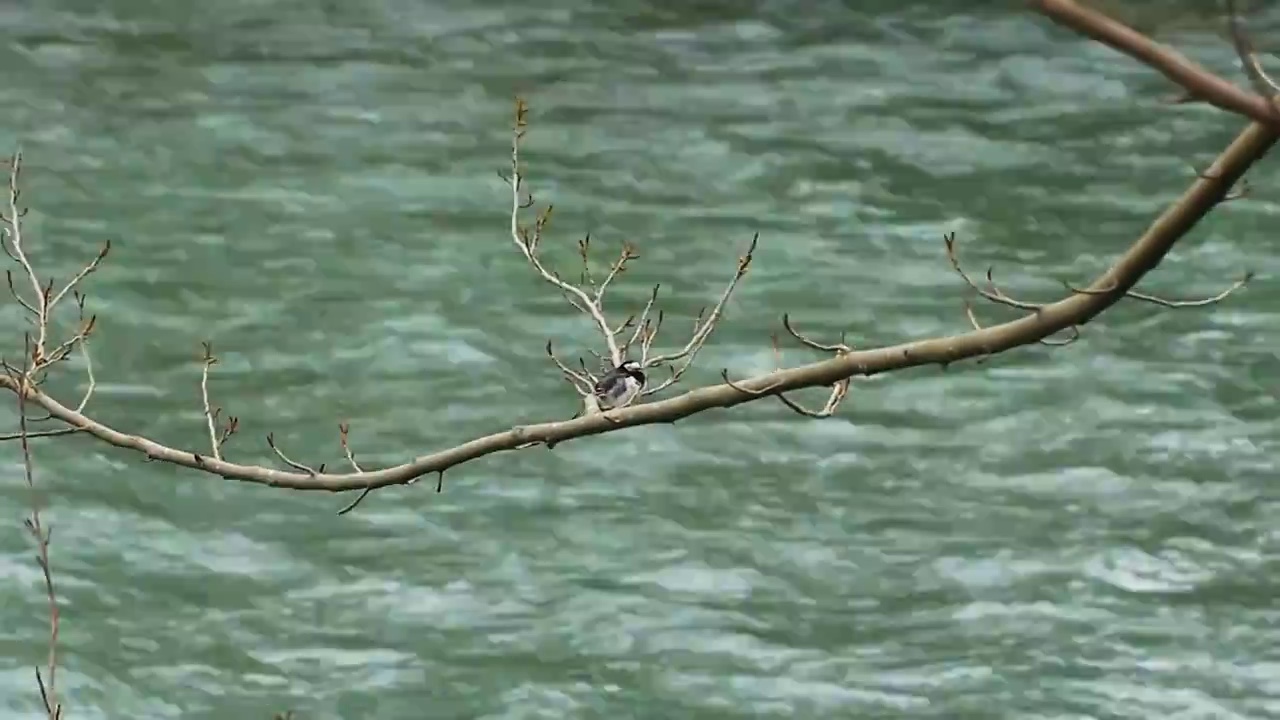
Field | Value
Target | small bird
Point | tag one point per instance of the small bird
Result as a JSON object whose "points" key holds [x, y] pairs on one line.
{"points": [[619, 386]]}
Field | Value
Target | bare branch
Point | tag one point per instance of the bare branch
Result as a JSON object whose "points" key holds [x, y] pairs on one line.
{"points": [[1154, 300], [838, 391], [973, 320], [343, 431], [584, 252], [18, 296], [12, 218], [702, 328], [64, 348], [36, 356], [748, 391], [581, 381], [74, 282], [807, 342], [628, 254], [589, 298], [1040, 324], [1077, 309], [271, 443], [528, 242], [991, 292], [1197, 81], [642, 323], [41, 535], [1262, 83], [84, 401], [996, 295], [210, 415]]}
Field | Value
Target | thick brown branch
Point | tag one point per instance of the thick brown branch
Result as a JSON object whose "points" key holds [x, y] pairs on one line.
{"points": [[1145, 254], [1076, 310], [1198, 81]]}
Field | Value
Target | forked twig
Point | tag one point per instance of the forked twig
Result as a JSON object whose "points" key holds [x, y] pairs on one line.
{"points": [[1144, 254], [991, 292], [343, 431], [680, 360], [995, 295], [528, 241], [1162, 302], [1052, 342], [839, 391], [271, 443], [582, 381], [588, 297], [46, 301], [84, 401]]}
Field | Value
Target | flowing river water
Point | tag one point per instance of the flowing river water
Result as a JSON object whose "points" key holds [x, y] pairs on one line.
{"points": [[1086, 531]]}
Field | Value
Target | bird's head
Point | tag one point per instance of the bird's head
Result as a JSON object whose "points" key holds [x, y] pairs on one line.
{"points": [[631, 368]]}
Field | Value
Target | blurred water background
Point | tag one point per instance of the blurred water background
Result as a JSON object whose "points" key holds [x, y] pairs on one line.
{"points": [[1079, 532]]}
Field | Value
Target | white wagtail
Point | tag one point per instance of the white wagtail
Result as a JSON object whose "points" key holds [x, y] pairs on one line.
{"points": [[619, 386]]}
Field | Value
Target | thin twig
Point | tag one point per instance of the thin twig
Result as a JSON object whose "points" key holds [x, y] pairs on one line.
{"points": [[13, 219], [1053, 342], [581, 381], [271, 443], [1143, 255], [47, 681], [702, 329], [839, 390], [642, 323], [528, 242], [724, 374], [1162, 302], [344, 431], [84, 402], [628, 254], [991, 292], [209, 361]]}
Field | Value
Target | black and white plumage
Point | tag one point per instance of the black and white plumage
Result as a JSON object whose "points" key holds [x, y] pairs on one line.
{"points": [[620, 386]]}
